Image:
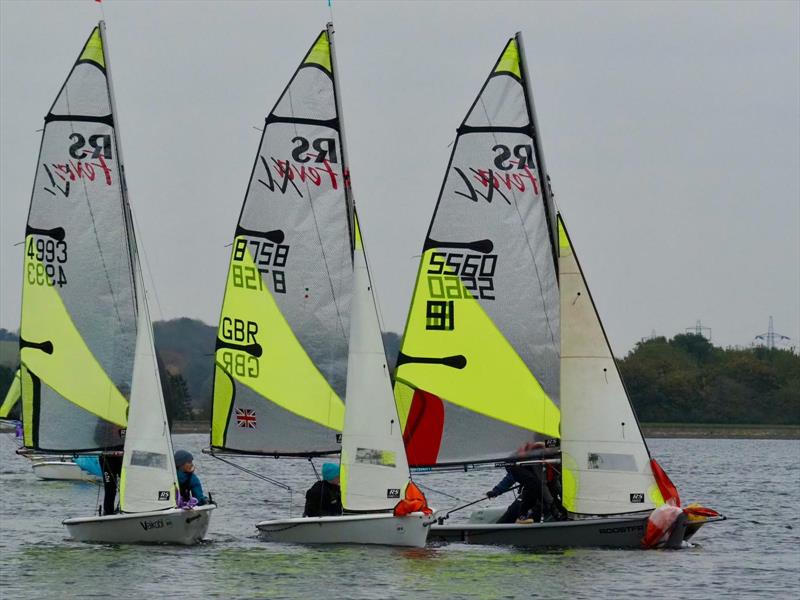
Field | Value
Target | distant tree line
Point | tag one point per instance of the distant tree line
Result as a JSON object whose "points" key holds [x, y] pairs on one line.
{"points": [[688, 380], [684, 379]]}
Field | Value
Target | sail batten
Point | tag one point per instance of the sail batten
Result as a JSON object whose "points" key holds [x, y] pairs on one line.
{"points": [[281, 353], [480, 352]]}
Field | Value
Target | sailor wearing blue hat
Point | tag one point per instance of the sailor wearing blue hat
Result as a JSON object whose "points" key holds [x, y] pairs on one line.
{"points": [[324, 498]]}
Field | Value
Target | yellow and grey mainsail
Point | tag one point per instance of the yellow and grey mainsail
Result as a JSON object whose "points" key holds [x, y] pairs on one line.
{"points": [[282, 343], [605, 463], [78, 325], [478, 372]]}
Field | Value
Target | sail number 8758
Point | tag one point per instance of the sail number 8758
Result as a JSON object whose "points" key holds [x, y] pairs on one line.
{"points": [[265, 254]]}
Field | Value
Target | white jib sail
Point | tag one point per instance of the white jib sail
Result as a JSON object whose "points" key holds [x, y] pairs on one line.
{"points": [[149, 479], [374, 469], [606, 465]]}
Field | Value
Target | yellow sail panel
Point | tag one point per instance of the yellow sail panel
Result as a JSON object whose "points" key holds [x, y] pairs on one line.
{"points": [[564, 248], [358, 243], [320, 53], [403, 398], [93, 50], [256, 346], [55, 351], [223, 398], [509, 61], [494, 381], [12, 396]]}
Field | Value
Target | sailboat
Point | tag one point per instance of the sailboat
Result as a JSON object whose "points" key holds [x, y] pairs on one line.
{"points": [[61, 468], [299, 313], [89, 379], [504, 349]]}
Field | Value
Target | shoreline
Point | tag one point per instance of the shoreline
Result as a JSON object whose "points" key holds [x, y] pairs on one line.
{"points": [[650, 430], [720, 431]]}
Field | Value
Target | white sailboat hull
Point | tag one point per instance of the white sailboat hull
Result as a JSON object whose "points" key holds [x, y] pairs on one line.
{"points": [[173, 526], [61, 470], [376, 528]]}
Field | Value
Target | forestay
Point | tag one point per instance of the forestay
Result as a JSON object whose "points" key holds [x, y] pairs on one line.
{"points": [[78, 325], [281, 352], [374, 470], [605, 462], [478, 372]]}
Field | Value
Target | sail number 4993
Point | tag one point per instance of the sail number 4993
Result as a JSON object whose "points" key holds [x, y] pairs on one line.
{"points": [[45, 260]]}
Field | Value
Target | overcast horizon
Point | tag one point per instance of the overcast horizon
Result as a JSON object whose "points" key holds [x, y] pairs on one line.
{"points": [[671, 133]]}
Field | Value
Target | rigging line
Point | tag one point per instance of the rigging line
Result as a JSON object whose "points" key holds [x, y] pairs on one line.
{"points": [[435, 491], [316, 223], [313, 466], [141, 246], [274, 482], [442, 519], [525, 231]]}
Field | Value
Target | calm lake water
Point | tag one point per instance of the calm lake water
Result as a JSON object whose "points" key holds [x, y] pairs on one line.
{"points": [[754, 554]]}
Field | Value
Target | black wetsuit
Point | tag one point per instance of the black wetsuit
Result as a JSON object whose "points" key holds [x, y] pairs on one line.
{"points": [[533, 497], [323, 499], [112, 468]]}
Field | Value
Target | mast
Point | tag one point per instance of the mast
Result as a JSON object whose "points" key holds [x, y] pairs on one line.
{"points": [[348, 188], [118, 149], [547, 192]]}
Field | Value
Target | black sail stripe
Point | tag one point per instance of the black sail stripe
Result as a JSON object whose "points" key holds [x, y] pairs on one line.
{"points": [[106, 119]]}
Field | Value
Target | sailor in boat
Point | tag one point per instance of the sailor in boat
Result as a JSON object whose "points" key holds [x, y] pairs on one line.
{"points": [[188, 481], [324, 498], [536, 501], [111, 466]]}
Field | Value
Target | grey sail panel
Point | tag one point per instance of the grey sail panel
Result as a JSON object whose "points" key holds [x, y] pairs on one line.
{"points": [[252, 420], [283, 337], [78, 327], [483, 329]]}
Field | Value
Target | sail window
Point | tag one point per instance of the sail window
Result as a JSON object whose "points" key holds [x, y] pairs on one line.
{"points": [[383, 458], [611, 462], [142, 458]]}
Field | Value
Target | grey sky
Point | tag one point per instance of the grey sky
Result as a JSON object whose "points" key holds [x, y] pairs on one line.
{"points": [[671, 131]]}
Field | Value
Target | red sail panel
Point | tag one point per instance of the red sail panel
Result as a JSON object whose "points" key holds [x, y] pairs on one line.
{"points": [[424, 426]]}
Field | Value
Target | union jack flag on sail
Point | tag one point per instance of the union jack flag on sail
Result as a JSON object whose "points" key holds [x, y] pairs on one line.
{"points": [[246, 417]]}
